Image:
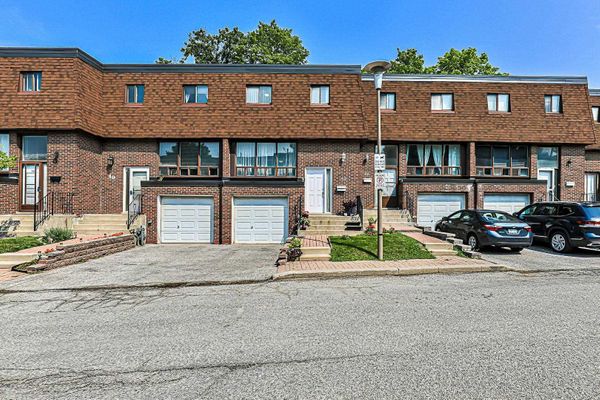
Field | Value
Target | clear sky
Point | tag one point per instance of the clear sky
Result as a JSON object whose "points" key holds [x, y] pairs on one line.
{"points": [[531, 37]]}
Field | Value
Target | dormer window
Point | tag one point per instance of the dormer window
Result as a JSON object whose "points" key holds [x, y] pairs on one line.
{"points": [[31, 81], [553, 104], [258, 94], [135, 94], [442, 102], [498, 102], [595, 114], [319, 95]]}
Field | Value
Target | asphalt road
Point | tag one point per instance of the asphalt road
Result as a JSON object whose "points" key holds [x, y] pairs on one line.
{"points": [[492, 336], [540, 257]]}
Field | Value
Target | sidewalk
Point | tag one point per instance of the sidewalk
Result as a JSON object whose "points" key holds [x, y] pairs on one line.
{"points": [[325, 269]]}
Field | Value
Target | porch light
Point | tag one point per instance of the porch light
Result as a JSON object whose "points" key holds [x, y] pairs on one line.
{"points": [[378, 68], [110, 162], [343, 157], [55, 157]]}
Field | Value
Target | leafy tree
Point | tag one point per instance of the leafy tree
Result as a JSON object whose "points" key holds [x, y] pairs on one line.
{"points": [[453, 62], [267, 44], [6, 161], [408, 61]]}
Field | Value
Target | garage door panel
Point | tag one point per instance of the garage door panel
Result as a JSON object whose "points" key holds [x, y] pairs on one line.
{"points": [[433, 207], [186, 220], [509, 203], [261, 220]]}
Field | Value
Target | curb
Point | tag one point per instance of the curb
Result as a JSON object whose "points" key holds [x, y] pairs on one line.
{"points": [[393, 271]]}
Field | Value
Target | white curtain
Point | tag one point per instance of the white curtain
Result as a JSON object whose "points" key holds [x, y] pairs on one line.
{"points": [[245, 155], [314, 95], [437, 154], [420, 154], [324, 94], [447, 101], [266, 158], [427, 154], [454, 158], [252, 95], [503, 100], [591, 187], [492, 105], [436, 101]]}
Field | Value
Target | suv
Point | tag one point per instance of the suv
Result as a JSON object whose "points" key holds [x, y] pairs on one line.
{"points": [[564, 225]]}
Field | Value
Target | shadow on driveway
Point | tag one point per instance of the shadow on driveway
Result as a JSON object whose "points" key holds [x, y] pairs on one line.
{"points": [[160, 265]]}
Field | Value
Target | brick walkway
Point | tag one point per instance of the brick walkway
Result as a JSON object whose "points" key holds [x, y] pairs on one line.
{"points": [[425, 239], [7, 274], [375, 265], [315, 241]]}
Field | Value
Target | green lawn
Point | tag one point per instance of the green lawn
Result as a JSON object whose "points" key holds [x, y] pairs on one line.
{"points": [[9, 245], [396, 246]]}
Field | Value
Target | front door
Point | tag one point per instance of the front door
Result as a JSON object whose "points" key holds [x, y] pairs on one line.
{"points": [[549, 175], [133, 183], [390, 191], [591, 187], [317, 190], [33, 184]]}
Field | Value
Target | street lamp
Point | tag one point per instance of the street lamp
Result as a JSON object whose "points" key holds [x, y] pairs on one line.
{"points": [[378, 68]]}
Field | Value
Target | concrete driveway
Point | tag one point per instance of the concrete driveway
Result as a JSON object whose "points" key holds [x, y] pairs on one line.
{"points": [[540, 257], [160, 265]]}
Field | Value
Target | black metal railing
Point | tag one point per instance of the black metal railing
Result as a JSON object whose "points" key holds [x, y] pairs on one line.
{"points": [[359, 210], [591, 197], [409, 203], [52, 203], [134, 209], [298, 211]]}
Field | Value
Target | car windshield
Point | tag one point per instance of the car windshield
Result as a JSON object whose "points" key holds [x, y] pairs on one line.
{"points": [[492, 217], [592, 211]]}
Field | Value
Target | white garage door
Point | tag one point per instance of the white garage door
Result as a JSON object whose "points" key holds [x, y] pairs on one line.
{"points": [[260, 220], [186, 220], [509, 203], [433, 207]]}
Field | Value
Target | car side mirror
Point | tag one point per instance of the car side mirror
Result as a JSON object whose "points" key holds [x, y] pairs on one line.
{"points": [[515, 214]]}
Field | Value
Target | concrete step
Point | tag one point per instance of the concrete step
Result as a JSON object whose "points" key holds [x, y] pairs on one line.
{"points": [[108, 218], [441, 253], [95, 232], [28, 232], [100, 227], [322, 257], [326, 227], [316, 250], [9, 260], [332, 233]]}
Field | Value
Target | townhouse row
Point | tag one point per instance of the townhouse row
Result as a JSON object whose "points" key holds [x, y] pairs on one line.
{"points": [[233, 153]]}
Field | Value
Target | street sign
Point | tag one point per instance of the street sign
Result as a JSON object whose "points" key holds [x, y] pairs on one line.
{"points": [[380, 180], [379, 162]]}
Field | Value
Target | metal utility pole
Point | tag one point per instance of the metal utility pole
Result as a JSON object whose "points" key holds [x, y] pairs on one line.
{"points": [[377, 68]]}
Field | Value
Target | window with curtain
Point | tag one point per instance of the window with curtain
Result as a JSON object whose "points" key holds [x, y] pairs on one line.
{"points": [[265, 159], [596, 114], [388, 101], [434, 159], [498, 102], [442, 102], [258, 94], [502, 160], [31, 81], [193, 94], [135, 94], [189, 158], [35, 148], [319, 94], [553, 104]]}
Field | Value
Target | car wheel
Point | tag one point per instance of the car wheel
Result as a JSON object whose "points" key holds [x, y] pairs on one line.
{"points": [[559, 241], [473, 242], [516, 249]]}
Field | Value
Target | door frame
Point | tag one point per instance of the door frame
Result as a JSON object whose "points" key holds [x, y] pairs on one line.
{"points": [[127, 171], [41, 179], [596, 189], [555, 185], [328, 188]]}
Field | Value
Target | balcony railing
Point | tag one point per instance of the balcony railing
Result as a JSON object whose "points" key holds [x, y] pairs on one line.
{"points": [[433, 171]]}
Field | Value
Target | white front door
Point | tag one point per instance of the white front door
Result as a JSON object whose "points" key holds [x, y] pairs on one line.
{"points": [[433, 207], [186, 220], [260, 220], [133, 183], [510, 203], [591, 187], [549, 175], [316, 189]]}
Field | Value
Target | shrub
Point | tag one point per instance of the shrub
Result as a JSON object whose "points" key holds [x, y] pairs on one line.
{"points": [[293, 251], [54, 235]]}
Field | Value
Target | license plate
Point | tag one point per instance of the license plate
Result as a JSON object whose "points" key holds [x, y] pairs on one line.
{"points": [[513, 231]]}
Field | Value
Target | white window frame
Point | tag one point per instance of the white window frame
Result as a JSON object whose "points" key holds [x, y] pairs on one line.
{"points": [[36, 81], [439, 101], [596, 114], [136, 87], [262, 92], [493, 100], [196, 93], [555, 103], [319, 95], [385, 101], [5, 146]]}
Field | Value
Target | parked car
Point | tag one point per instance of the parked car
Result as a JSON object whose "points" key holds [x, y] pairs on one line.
{"points": [[481, 228], [564, 225]]}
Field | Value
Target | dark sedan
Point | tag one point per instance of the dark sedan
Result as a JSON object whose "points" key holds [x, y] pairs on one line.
{"points": [[481, 228]]}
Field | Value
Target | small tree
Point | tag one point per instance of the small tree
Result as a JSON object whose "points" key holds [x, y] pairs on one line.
{"points": [[7, 162], [408, 61]]}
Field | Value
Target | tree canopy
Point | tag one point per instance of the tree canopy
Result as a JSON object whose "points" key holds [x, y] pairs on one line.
{"points": [[267, 44], [6, 161], [453, 62]]}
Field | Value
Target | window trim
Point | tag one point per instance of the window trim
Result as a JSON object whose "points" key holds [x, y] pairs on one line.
{"points": [[597, 120], [199, 165], [497, 95], [194, 103], [442, 110], [395, 101], [255, 165], [560, 105], [135, 103], [318, 86], [22, 82], [511, 168], [411, 169], [259, 104]]}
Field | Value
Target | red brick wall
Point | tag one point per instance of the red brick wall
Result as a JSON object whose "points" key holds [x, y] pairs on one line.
{"points": [[592, 161], [9, 196], [575, 172]]}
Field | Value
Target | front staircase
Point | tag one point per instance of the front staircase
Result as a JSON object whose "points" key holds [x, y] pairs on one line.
{"points": [[332, 225], [100, 224], [17, 225], [398, 219]]}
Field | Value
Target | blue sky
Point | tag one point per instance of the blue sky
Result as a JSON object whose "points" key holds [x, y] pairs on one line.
{"points": [[535, 37]]}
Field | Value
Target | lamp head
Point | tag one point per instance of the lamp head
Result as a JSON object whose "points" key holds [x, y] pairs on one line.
{"points": [[377, 68]]}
